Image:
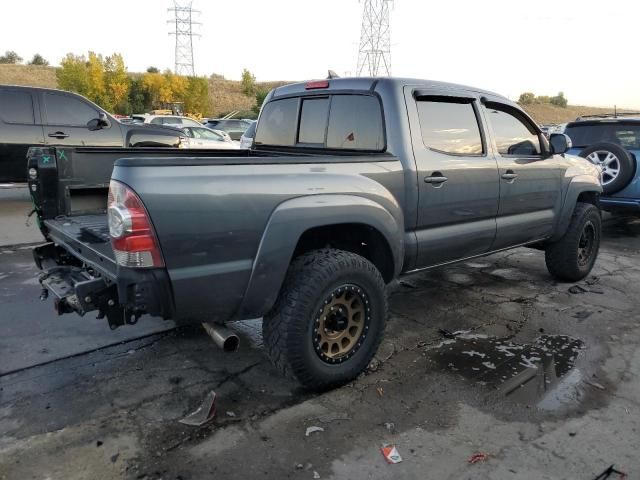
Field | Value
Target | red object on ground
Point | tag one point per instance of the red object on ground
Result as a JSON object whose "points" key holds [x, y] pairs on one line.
{"points": [[478, 457]]}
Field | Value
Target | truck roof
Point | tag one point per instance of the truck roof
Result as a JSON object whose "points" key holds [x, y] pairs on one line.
{"points": [[367, 83]]}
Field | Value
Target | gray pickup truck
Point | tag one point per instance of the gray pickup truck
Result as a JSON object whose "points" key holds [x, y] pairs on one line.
{"points": [[350, 183]]}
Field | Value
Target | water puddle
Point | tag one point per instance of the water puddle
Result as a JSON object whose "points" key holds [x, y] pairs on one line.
{"points": [[541, 373]]}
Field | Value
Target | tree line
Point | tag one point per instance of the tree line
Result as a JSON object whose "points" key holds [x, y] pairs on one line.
{"points": [[528, 98], [11, 57]]}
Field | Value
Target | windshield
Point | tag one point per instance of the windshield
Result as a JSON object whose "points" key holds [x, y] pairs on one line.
{"points": [[626, 135]]}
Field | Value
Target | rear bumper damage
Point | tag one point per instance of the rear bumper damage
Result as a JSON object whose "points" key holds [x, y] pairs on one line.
{"points": [[78, 287]]}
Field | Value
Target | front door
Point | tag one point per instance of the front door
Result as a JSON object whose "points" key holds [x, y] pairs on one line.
{"points": [[530, 179], [457, 178], [66, 118]]}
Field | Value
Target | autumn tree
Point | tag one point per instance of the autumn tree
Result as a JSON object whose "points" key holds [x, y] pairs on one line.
{"points": [[248, 83], [117, 82], [72, 74]]}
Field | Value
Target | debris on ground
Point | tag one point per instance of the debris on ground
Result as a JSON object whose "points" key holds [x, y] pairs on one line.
{"points": [[316, 474], [595, 385], [478, 457], [390, 426], [204, 413], [611, 471], [449, 334], [391, 454], [380, 391], [231, 414], [582, 315], [313, 429], [577, 289]]}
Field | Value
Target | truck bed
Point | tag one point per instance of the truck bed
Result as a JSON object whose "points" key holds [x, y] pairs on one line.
{"points": [[88, 237]]}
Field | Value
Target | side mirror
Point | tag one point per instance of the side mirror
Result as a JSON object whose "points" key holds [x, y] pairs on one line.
{"points": [[98, 123], [560, 143]]}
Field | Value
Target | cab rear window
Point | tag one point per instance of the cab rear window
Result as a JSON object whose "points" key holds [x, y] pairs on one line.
{"points": [[337, 122]]}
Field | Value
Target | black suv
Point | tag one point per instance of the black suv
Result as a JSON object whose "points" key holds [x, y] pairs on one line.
{"points": [[31, 116]]}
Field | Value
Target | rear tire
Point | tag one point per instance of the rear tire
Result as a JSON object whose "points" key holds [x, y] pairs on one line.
{"points": [[328, 320], [572, 257]]}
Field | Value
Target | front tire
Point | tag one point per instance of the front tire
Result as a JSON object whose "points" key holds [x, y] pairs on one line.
{"points": [[328, 320], [572, 257]]}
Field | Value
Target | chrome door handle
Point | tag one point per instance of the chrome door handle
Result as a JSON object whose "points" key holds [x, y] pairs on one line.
{"points": [[510, 175], [58, 135], [435, 179]]}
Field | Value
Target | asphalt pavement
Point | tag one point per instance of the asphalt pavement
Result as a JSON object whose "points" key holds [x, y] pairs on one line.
{"points": [[489, 360]]}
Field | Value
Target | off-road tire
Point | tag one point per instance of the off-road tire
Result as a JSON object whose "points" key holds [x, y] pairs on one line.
{"points": [[288, 328], [562, 257]]}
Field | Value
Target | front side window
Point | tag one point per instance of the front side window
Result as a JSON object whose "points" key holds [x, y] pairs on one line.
{"points": [[512, 135], [16, 107], [450, 126], [67, 110]]}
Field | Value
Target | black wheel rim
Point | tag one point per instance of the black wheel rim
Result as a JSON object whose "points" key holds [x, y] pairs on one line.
{"points": [[342, 324], [586, 243]]}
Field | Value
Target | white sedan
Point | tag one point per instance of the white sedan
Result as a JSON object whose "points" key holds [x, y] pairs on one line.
{"points": [[202, 137]]}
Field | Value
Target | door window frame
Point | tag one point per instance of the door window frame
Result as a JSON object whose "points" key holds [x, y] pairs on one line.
{"points": [[427, 96], [45, 116], [523, 118]]}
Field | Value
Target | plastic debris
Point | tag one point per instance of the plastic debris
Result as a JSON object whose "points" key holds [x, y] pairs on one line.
{"points": [[316, 474], [391, 454], [611, 471], [380, 391], [478, 457], [595, 385], [390, 426], [313, 429], [231, 414], [204, 413], [577, 289]]}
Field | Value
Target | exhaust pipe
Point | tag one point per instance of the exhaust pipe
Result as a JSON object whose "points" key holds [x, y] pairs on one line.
{"points": [[222, 337]]}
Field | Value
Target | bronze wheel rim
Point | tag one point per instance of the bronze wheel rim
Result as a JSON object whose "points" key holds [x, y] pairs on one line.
{"points": [[342, 324], [586, 244]]}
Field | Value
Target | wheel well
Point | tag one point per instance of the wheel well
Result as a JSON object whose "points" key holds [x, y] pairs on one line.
{"points": [[590, 197], [353, 237]]}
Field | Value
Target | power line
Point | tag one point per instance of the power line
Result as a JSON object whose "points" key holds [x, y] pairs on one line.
{"points": [[183, 14], [374, 55]]}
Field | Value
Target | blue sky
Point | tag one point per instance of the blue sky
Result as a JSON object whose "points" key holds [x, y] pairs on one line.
{"points": [[588, 49]]}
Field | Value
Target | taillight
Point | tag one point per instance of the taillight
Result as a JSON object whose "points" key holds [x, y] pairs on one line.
{"points": [[132, 236]]}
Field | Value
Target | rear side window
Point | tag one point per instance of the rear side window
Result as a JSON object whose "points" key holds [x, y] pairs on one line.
{"points": [[512, 135], [313, 120], [16, 107], [450, 126], [67, 110]]}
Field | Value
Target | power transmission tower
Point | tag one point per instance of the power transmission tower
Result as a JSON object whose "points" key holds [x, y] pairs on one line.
{"points": [[374, 56], [183, 14]]}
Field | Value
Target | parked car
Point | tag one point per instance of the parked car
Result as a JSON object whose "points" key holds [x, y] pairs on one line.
{"points": [[169, 120], [31, 116], [350, 183], [246, 140], [202, 137], [235, 128], [613, 143]]}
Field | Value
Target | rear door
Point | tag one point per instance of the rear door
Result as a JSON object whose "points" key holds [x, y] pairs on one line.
{"points": [[457, 177], [530, 179], [66, 118], [20, 129]]}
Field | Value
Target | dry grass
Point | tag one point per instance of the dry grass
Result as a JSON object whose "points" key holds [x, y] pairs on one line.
{"points": [[33, 75], [546, 113], [226, 95]]}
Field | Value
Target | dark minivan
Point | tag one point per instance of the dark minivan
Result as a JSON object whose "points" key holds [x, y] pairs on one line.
{"points": [[31, 116]]}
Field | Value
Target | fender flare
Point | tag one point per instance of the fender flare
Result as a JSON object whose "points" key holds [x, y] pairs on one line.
{"points": [[578, 185], [287, 224]]}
